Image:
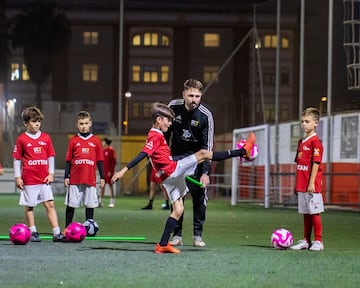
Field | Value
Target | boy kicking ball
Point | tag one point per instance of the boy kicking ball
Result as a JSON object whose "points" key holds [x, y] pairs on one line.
{"points": [[172, 173]]}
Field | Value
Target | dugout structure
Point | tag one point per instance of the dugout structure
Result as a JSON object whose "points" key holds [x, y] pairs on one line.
{"points": [[251, 180]]}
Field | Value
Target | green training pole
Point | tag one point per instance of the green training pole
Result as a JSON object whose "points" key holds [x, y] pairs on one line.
{"points": [[100, 238], [192, 180]]}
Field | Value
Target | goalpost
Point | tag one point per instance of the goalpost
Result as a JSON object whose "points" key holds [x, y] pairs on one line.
{"points": [[250, 181]]}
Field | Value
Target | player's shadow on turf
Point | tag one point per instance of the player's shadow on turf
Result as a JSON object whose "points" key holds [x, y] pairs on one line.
{"points": [[260, 246], [136, 249]]}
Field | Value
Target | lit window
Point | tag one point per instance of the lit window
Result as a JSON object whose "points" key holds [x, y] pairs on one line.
{"points": [[15, 71], [136, 73], [165, 74], [19, 72], [136, 41], [90, 72], [210, 73], [270, 41], [151, 39], [90, 38], [211, 40], [165, 41], [285, 43], [24, 73]]}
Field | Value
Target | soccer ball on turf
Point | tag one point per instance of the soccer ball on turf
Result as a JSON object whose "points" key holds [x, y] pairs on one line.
{"points": [[19, 234], [75, 232], [281, 239], [254, 151], [91, 227]]}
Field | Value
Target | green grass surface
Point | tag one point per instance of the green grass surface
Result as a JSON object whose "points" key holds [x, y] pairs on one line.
{"points": [[238, 252]]}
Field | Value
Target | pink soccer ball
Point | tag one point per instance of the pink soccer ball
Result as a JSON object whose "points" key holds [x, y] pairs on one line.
{"points": [[19, 234], [254, 151], [281, 239], [75, 232]]}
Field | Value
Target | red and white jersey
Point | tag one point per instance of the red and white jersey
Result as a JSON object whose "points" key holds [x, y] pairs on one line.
{"points": [[83, 153], [34, 155], [160, 155], [309, 151], [109, 160]]}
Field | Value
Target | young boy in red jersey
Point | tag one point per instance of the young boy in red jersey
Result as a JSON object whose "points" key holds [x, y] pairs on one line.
{"points": [[34, 168], [172, 173], [109, 170], [309, 181], [84, 154]]}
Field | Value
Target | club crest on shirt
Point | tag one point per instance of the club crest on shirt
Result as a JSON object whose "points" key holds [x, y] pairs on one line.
{"points": [[186, 134], [194, 123], [91, 144]]}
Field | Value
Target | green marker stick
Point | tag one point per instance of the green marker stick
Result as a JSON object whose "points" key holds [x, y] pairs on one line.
{"points": [[192, 180]]}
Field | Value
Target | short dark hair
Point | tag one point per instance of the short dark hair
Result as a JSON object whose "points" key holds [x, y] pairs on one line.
{"points": [[107, 140], [162, 110], [32, 113], [83, 115], [193, 83]]}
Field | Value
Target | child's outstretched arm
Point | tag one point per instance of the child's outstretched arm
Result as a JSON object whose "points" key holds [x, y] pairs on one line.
{"points": [[118, 175]]}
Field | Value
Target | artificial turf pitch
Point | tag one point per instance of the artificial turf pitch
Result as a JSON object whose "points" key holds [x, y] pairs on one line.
{"points": [[238, 251]]}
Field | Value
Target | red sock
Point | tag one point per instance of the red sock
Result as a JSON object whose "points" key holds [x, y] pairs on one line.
{"points": [[307, 227], [316, 220]]}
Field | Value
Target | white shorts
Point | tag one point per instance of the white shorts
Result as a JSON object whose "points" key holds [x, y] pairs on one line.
{"points": [[310, 203], [32, 195], [81, 195], [175, 184]]}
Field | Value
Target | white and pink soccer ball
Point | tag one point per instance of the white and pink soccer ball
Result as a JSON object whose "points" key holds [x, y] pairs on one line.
{"points": [[254, 152], [19, 234], [281, 239]]}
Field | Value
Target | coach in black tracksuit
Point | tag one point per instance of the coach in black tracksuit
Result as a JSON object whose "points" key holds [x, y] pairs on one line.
{"points": [[192, 130]]}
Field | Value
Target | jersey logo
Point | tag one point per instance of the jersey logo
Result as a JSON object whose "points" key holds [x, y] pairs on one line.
{"points": [[28, 145], [85, 150], [91, 144], [37, 150], [42, 143], [316, 152], [178, 119], [78, 144], [306, 148], [149, 145], [186, 134], [194, 123]]}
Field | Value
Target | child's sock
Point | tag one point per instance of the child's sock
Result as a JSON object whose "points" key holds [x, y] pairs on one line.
{"points": [[169, 227], [316, 220], [69, 215], [222, 155], [307, 227], [56, 231], [89, 213]]}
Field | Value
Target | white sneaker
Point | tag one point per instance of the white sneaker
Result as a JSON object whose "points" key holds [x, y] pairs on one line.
{"points": [[176, 241], [301, 244], [111, 205], [316, 246], [198, 242]]}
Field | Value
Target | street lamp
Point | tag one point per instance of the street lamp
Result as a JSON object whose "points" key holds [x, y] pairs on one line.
{"points": [[126, 121]]}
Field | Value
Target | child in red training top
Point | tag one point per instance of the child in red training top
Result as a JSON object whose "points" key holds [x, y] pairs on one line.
{"points": [[309, 181], [109, 170], [83, 155], [34, 168], [172, 173]]}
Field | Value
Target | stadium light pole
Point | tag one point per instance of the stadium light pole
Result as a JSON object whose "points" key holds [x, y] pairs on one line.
{"points": [[126, 121], [120, 84]]}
